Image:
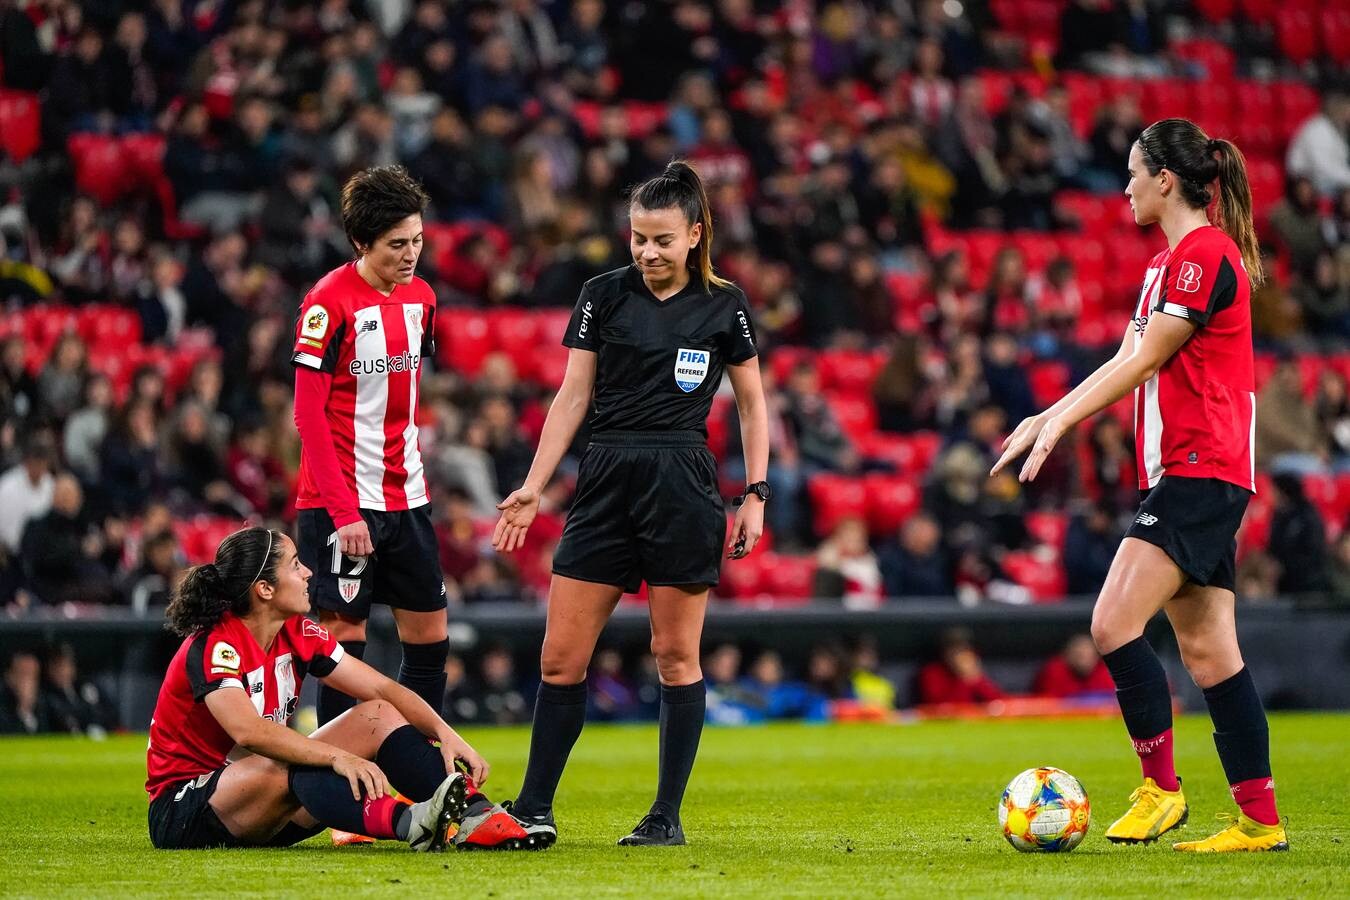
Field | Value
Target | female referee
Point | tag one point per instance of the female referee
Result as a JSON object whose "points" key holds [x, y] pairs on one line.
{"points": [[224, 770], [649, 343], [1187, 355]]}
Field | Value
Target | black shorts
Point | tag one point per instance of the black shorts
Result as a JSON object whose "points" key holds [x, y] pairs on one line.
{"points": [[404, 572], [647, 508], [181, 818], [1194, 521]]}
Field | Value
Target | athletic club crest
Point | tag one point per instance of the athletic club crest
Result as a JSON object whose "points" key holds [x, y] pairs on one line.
{"points": [[691, 367], [348, 588]]}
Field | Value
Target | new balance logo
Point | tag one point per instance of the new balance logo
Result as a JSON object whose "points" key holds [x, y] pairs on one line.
{"points": [[367, 326], [1146, 519]]}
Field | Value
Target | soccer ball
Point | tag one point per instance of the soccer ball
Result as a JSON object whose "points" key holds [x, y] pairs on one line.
{"points": [[1044, 810]]}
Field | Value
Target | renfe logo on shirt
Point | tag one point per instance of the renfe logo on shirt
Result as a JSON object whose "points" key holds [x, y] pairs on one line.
{"points": [[691, 367]]}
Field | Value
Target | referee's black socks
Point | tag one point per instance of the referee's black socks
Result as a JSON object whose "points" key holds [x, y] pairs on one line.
{"points": [[682, 712], [332, 703], [559, 714], [423, 671]]}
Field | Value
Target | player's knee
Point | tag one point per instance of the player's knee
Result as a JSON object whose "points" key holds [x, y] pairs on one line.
{"points": [[561, 666], [674, 661], [1111, 631], [1209, 662], [381, 711]]}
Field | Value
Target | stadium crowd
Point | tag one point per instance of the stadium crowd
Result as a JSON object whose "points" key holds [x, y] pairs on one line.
{"points": [[921, 199]]}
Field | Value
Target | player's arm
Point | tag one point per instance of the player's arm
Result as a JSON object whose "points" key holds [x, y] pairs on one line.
{"points": [[1024, 436], [234, 712], [354, 678], [1164, 336], [754, 415], [565, 416]]}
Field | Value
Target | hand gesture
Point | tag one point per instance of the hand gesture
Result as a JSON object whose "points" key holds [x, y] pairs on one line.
{"points": [[518, 511]]}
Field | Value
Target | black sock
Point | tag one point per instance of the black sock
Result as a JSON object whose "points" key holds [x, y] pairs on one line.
{"points": [[682, 712], [333, 703], [423, 671], [559, 714], [412, 763], [1141, 689], [327, 796], [1241, 734]]}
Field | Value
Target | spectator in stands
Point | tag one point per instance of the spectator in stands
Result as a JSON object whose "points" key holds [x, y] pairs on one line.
{"points": [[26, 489], [729, 702], [1298, 538], [1006, 375], [18, 387], [904, 390], [300, 234], [1339, 594], [776, 696], [503, 702], [1118, 124], [22, 709], [966, 144], [1324, 298], [412, 108], [821, 443], [1056, 304], [613, 696], [448, 170], [160, 301], [61, 551], [1296, 223], [846, 567], [73, 706], [1319, 150], [1076, 673], [915, 564], [61, 384], [956, 675], [1258, 577], [1090, 544], [826, 674], [868, 685], [160, 568], [1333, 416], [462, 702], [86, 429], [1288, 436], [133, 459]]}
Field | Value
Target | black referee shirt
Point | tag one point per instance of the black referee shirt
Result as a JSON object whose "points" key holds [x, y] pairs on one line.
{"points": [[659, 361]]}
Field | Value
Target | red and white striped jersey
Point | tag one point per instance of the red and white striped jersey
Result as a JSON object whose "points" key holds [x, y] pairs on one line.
{"points": [[186, 741], [373, 346], [1196, 418]]}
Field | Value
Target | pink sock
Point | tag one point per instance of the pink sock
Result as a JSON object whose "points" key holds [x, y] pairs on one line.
{"points": [[1256, 798], [1155, 757], [377, 814]]}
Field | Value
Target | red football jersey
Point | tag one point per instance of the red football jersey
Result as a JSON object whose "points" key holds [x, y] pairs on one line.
{"points": [[1196, 417], [185, 739], [373, 346]]}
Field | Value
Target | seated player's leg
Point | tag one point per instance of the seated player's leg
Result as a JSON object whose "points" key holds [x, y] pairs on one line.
{"points": [[1141, 580], [411, 583], [677, 614], [577, 613], [340, 590], [1204, 621]]}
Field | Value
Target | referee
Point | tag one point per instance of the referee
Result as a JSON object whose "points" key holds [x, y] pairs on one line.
{"points": [[649, 343]]}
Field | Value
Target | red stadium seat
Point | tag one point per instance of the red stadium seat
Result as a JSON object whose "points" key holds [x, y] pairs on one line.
{"points": [[145, 157], [789, 580], [1336, 34], [1037, 249], [1040, 572], [784, 359], [1049, 381], [1267, 181], [551, 325], [1296, 35], [857, 416], [849, 371], [20, 124], [891, 501], [100, 167], [835, 498], [515, 333], [463, 340], [1166, 99], [1297, 103], [742, 579], [550, 365], [1258, 11], [1050, 528], [109, 326], [911, 454]]}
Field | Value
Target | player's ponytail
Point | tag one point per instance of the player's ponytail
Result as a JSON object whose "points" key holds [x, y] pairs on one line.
{"points": [[1235, 206], [1198, 162], [679, 186], [209, 591]]}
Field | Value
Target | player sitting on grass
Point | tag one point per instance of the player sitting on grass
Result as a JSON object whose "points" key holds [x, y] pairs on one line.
{"points": [[226, 771]]}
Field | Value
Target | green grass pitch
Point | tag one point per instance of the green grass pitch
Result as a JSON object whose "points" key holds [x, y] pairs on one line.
{"points": [[791, 810]]}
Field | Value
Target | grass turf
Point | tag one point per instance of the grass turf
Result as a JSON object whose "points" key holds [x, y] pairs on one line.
{"points": [[856, 810]]}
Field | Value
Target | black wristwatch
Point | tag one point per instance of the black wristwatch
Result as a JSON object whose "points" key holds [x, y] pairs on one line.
{"points": [[760, 489]]}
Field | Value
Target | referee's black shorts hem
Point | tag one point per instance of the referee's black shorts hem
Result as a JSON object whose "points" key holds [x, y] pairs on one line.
{"points": [[626, 587], [1195, 522]]}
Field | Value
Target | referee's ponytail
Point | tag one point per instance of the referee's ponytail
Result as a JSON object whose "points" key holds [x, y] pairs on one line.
{"points": [[209, 591], [1181, 147], [680, 186]]}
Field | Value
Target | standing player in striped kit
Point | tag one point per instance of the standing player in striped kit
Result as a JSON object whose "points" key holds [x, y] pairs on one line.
{"points": [[364, 524], [1187, 355]]}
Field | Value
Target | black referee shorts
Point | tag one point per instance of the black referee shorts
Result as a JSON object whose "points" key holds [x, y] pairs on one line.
{"points": [[1195, 522], [404, 572], [181, 818], [647, 508]]}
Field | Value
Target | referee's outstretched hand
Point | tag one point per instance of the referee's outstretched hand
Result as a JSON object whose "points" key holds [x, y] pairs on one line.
{"points": [[518, 511]]}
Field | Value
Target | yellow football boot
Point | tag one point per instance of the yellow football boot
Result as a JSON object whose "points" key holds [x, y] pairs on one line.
{"points": [[1152, 813], [1244, 834]]}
